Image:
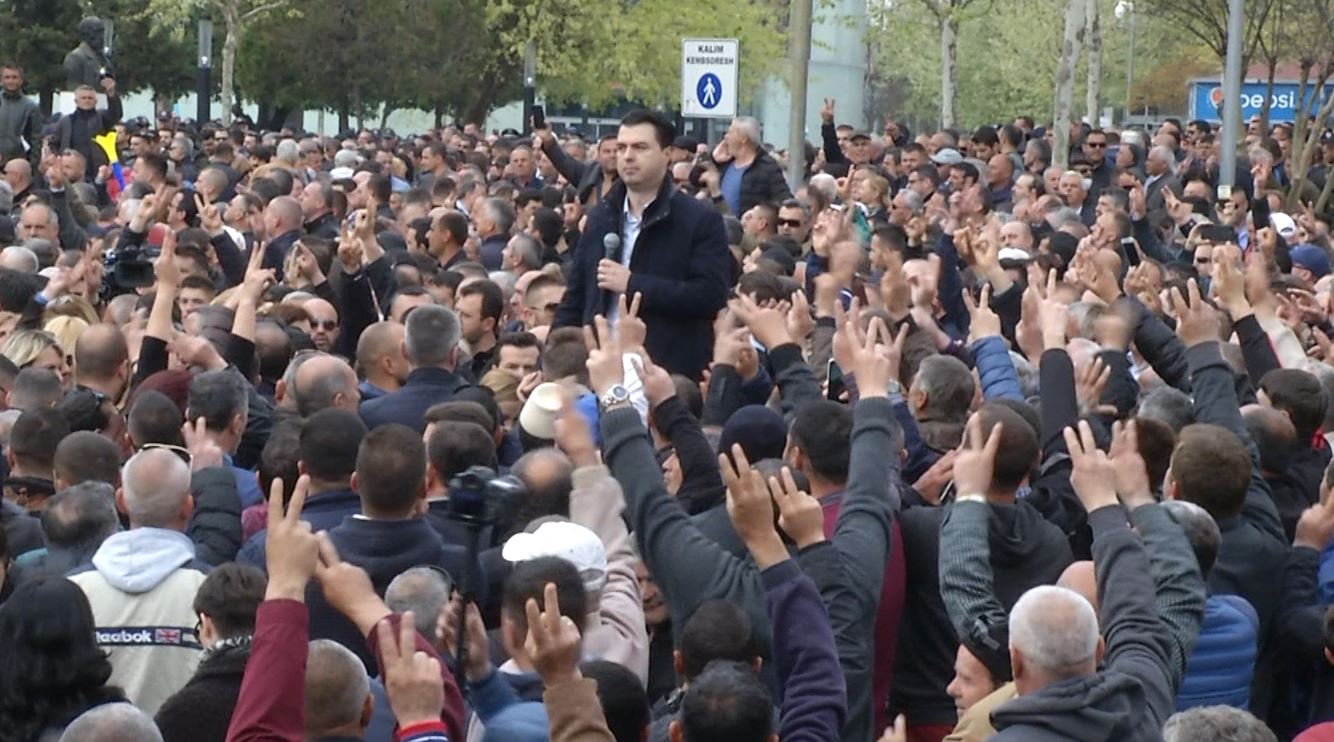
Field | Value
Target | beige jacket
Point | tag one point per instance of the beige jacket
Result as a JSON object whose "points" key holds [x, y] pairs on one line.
{"points": [[975, 724]]}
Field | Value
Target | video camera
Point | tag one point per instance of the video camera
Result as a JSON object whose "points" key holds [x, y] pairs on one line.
{"points": [[128, 268], [480, 496]]}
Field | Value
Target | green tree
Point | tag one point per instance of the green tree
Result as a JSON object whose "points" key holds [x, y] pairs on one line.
{"points": [[148, 55]]}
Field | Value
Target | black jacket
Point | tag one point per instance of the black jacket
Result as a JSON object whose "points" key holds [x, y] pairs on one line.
{"points": [[762, 183], [384, 548], [77, 131], [681, 265], [215, 526], [424, 387], [201, 711], [1132, 695], [1025, 551]]}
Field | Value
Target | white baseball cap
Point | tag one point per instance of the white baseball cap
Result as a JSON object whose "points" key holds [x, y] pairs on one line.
{"points": [[570, 541]]}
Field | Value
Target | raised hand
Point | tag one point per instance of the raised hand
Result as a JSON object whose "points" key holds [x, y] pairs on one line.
{"points": [[1053, 316], [165, 269], [767, 324], [1090, 382], [984, 322], [827, 111], [605, 365], [1094, 475], [291, 551], [751, 509], [477, 663], [1315, 528], [210, 217], [1197, 321], [411, 679], [630, 329], [205, 453], [799, 515], [1132, 474], [573, 436], [553, 642], [800, 323], [658, 384], [976, 458]]}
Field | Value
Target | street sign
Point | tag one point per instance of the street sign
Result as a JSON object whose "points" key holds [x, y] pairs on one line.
{"points": [[709, 78], [1206, 99]]}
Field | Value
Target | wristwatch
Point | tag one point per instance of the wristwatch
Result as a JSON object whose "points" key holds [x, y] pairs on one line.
{"points": [[616, 395]]}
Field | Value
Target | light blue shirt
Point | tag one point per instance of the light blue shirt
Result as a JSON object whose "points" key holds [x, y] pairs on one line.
{"points": [[731, 187], [630, 225]]}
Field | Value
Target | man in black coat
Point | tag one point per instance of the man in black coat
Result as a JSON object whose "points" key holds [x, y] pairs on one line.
{"points": [[78, 130], [749, 175], [647, 238], [431, 343]]}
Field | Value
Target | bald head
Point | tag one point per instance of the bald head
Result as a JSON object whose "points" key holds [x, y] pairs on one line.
{"points": [[112, 722], [100, 354], [325, 382], [337, 691], [380, 340], [1081, 578], [155, 489], [19, 258], [283, 215], [548, 475], [1053, 637]]}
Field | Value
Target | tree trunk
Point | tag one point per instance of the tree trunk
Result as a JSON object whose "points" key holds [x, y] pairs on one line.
{"points": [[228, 70], [1093, 30], [1071, 43], [389, 108], [1310, 142], [439, 113], [1271, 65], [344, 118], [949, 59]]}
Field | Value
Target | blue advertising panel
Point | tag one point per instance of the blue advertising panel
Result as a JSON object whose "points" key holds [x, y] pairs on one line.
{"points": [[1206, 99]]}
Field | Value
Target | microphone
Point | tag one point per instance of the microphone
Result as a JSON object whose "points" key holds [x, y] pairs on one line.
{"points": [[611, 244]]}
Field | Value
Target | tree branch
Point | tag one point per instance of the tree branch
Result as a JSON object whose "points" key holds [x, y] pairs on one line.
{"points": [[260, 10]]}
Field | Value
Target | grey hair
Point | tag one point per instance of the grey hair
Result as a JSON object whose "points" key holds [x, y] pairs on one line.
{"points": [[529, 252], [6, 197], [1168, 405], [83, 515], [1063, 216], [20, 254], [431, 335], [1056, 630], [1166, 155], [1028, 378], [1200, 529], [186, 144], [913, 200], [749, 126], [1216, 722], [336, 687], [287, 150], [500, 212], [155, 482], [824, 183], [112, 722], [345, 158], [424, 591]]}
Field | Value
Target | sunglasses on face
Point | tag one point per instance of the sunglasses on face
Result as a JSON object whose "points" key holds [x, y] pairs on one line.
{"points": [[324, 324], [181, 451], [794, 223], [1096, 145]]}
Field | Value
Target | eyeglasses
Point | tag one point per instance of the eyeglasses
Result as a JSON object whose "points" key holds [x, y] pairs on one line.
{"points": [[1201, 260], [324, 324], [181, 451], [794, 223], [1096, 145]]}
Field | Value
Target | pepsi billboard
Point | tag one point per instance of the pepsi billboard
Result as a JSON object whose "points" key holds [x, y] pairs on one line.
{"points": [[1206, 100]]}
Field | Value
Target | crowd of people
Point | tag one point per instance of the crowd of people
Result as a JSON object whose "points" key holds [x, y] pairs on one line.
{"points": [[470, 436]]}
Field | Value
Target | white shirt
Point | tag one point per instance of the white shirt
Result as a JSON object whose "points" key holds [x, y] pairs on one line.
{"points": [[630, 225]]}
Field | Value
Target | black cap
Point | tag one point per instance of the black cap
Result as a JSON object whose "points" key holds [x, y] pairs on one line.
{"points": [[690, 144]]}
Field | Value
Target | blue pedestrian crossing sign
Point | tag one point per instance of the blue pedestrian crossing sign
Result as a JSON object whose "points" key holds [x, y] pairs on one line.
{"points": [[708, 90], [709, 78]]}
